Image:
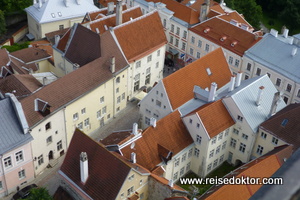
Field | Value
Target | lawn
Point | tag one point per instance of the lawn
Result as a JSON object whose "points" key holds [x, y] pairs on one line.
{"points": [[221, 171]]}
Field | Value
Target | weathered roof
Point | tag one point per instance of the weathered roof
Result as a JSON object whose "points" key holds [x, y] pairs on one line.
{"points": [[86, 78], [56, 10], [245, 97], [110, 21], [4, 58], [22, 84], [235, 39], [234, 15], [196, 74], [276, 54], [103, 12], [148, 35], [285, 125], [31, 55], [107, 173], [169, 132], [11, 131], [262, 167]]}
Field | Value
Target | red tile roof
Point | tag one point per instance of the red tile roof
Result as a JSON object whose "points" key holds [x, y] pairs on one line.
{"points": [[212, 112], [107, 173], [261, 167], [237, 40], [234, 15], [288, 132], [141, 36], [195, 74], [110, 21], [94, 15], [169, 132], [30, 55], [4, 58], [75, 84]]}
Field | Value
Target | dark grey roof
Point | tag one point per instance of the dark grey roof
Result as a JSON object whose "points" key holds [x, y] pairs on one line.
{"points": [[290, 172], [11, 132]]}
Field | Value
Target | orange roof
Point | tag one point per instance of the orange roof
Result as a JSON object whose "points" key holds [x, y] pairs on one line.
{"points": [[141, 36], [94, 15], [212, 112], [237, 39], [195, 74], [261, 167], [110, 21], [170, 132], [236, 16]]}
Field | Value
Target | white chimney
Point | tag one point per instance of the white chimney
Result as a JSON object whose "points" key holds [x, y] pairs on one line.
{"points": [[97, 30], [34, 2], [275, 102], [153, 122], [274, 32], [232, 82], [294, 51], [40, 3], [133, 157], [36, 108], [66, 3], [112, 64], [135, 129], [171, 183], [56, 39], [44, 81], [78, 2], [119, 12], [212, 92], [285, 32], [110, 8], [84, 168], [238, 79], [259, 96]]}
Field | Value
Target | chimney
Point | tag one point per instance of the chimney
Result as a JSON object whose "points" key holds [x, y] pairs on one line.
{"points": [[232, 82], [56, 39], [133, 157], [97, 31], [34, 2], [238, 79], [66, 3], [275, 102], [212, 92], [294, 51], [119, 12], [44, 81], [153, 122], [110, 8], [171, 183], [135, 129], [78, 2], [259, 96], [84, 168], [274, 32], [285, 32], [112, 64], [203, 11], [40, 3]]}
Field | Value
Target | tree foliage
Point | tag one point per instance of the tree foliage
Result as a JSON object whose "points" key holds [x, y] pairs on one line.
{"points": [[2, 23], [16, 46], [14, 6], [39, 194]]}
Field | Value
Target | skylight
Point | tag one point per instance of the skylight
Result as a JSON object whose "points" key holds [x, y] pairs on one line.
{"points": [[59, 14], [208, 71], [53, 15], [284, 122]]}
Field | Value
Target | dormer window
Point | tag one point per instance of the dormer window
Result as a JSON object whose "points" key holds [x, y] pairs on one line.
{"points": [[42, 106]]}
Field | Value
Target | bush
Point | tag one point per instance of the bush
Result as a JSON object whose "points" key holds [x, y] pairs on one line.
{"points": [[16, 46]]}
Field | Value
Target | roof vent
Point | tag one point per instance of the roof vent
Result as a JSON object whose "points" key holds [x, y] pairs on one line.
{"points": [[133, 157], [223, 38], [294, 51], [233, 43], [208, 71], [206, 30], [97, 31]]}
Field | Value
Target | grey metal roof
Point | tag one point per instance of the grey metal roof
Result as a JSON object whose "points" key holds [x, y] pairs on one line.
{"points": [[190, 106], [11, 132], [297, 36], [245, 97], [276, 54]]}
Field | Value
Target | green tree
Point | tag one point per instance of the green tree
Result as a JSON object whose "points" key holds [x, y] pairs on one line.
{"points": [[2, 23], [39, 194]]}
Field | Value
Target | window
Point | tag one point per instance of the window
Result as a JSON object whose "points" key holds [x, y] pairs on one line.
{"points": [[274, 140], [269, 75], [181, 171], [263, 135], [53, 15], [175, 176], [176, 42], [61, 27], [196, 152], [237, 63], [157, 65], [172, 28], [215, 163], [129, 191], [158, 103], [136, 85], [284, 122], [199, 43], [188, 167], [278, 82], [184, 34], [149, 58], [59, 14], [198, 54], [75, 116], [59, 145], [83, 111], [240, 118], [1, 185], [183, 46], [198, 139], [288, 87], [191, 51], [7, 162], [211, 153], [207, 47], [230, 60], [198, 125], [298, 93], [190, 153], [40, 159], [147, 120], [22, 174], [224, 145], [249, 67], [209, 167], [171, 39], [48, 126], [246, 77], [118, 99], [245, 136], [220, 136], [218, 149], [165, 23], [138, 64], [285, 99], [258, 71], [86, 121], [118, 80], [177, 31], [191, 121], [183, 157], [102, 99], [193, 40], [259, 150], [233, 143], [80, 125], [221, 158], [158, 53], [19, 156], [226, 132], [177, 161], [123, 96], [49, 140], [213, 141], [117, 90], [242, 147]]}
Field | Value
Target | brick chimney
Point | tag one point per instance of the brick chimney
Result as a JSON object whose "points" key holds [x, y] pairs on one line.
{"points": [[84, 168], [119, 12]]}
